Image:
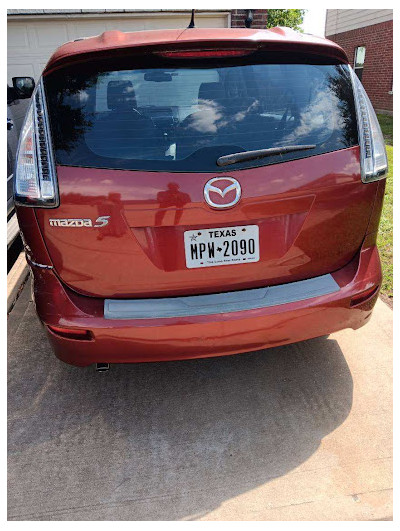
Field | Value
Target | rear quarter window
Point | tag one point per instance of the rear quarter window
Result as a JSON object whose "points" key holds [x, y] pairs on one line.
{"points": [[183, 117]]}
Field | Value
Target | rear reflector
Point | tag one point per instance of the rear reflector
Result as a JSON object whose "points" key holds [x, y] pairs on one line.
{"points": [[71, 333], [364, 296], [182, 54]]}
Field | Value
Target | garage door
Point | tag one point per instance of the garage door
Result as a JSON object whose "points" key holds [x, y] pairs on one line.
{"points": [[31, 41]]}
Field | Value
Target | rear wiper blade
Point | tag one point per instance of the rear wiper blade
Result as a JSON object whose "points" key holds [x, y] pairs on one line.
{"points": [[233, 158]]}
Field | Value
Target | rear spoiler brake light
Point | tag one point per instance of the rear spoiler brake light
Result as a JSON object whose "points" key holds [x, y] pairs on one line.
{"points": [[184, 54]]}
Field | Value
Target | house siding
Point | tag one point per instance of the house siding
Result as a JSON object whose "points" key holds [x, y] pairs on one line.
{"points": [[342, 20]]}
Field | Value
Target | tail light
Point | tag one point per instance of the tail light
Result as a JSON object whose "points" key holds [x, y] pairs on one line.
{"points": [[71, 333], [199, 54], [374, 164], [364, 296], [35, 177]]}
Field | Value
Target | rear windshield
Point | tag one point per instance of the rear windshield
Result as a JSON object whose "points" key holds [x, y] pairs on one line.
{"points": [[183, 116]]}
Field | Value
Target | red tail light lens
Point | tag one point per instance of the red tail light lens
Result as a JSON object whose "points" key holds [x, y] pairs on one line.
{"points": [[364, 296], [193, 54], [71, 333]]}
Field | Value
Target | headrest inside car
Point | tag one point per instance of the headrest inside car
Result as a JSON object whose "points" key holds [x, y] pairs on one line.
{"points": [[121, 95], [211, 91]]}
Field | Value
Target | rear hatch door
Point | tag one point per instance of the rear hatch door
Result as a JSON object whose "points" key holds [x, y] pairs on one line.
{"points": [[137, 143]]}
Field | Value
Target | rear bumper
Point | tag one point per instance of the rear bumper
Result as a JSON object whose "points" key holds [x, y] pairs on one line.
{"points": [[194, 336]]}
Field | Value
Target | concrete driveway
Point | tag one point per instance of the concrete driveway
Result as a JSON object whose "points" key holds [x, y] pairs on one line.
{"points": [[301, 432]]}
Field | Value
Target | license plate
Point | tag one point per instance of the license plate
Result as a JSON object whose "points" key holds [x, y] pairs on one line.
{"points": [[222, 246]]}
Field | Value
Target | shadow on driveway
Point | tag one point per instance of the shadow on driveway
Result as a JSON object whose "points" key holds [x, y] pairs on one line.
{"points": [[165, 440]]}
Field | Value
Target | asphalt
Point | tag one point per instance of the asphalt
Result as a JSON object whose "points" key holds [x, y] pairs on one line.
{"points": [[300, 432]]}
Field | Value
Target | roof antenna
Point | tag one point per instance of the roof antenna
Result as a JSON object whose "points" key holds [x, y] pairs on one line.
{"points": [[191, 25]]}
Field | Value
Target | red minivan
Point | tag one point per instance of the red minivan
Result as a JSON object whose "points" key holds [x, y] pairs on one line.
{"points": [[200, 192]]}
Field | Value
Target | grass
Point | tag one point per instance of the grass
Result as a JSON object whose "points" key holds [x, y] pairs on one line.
{"points": [[385, 234], [386, 123]]}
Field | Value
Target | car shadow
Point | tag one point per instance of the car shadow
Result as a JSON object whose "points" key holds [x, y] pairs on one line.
{"points": [[163, 441]]}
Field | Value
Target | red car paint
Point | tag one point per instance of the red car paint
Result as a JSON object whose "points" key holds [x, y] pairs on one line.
{"points": [[297, 240], [296, 205], [202, 336]]}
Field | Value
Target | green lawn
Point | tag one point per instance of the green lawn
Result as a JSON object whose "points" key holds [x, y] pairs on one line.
{"points": [[385, 236], [386, 123]]}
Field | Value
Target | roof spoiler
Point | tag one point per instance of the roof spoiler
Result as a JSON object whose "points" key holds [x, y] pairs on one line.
{"points": [[109, 43]]}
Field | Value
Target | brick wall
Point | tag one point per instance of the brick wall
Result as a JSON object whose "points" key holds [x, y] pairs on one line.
{"points": [[377, 76], [238, 17]]}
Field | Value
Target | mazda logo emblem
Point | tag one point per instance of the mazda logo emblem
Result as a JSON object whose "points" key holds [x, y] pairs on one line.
{"points": [[222, 192]]}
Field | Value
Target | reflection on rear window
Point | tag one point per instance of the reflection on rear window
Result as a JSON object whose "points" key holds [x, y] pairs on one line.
{"points": [[184, 118]]}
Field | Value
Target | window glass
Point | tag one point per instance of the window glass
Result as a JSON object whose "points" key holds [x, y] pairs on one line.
{"points": [[184, 118]]}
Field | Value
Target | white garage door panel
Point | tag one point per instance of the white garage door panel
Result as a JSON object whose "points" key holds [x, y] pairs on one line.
{"points": [[51, 34], [89, 28], [18, 36], [15, 70], [31, 42]]}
